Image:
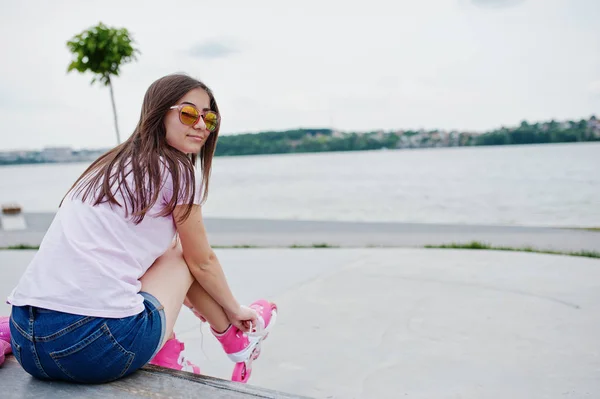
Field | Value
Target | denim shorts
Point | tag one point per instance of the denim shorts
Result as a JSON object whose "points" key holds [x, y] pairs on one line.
{"points": [[54, 345]]}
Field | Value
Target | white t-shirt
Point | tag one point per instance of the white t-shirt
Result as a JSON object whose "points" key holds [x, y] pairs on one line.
{"points": [[92, 257]]}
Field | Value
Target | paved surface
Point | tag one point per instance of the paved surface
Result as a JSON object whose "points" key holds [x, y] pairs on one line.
{"points": [[283, 233], [392, 323]]}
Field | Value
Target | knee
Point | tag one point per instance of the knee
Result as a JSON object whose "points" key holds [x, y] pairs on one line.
{"points": [[174, 254], [174, 258]]}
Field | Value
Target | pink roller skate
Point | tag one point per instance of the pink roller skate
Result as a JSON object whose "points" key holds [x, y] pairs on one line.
{"points": [[170, 356], [5, 329], [5, 348], [244, 348]]}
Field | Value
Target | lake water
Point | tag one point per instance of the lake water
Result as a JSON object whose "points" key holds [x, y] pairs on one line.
{"points": [[535, 185]]}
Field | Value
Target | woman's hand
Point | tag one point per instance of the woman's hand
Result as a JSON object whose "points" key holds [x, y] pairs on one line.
{"points": [[244, 318]]}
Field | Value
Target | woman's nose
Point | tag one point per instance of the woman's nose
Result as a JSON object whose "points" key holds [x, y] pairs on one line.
{"points": [[200, 124]]}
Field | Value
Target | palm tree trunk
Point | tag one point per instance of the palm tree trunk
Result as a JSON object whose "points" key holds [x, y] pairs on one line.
{"points": [[112, 98]]}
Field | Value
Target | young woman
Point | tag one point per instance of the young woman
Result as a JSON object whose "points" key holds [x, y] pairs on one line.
{"points": [[127, 248]]}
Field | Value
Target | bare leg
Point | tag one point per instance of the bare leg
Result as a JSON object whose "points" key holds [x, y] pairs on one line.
{"points": [[169, 279], [203, 303]]}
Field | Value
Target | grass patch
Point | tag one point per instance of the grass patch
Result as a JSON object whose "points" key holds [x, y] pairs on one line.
{"points": [[234, 246], [583, 228], [295, 246], [21, 246], [322, 245], [481, 245]]}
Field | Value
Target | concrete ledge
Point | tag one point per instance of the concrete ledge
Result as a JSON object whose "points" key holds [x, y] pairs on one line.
{"points": [[150, 381], [285, 233]]}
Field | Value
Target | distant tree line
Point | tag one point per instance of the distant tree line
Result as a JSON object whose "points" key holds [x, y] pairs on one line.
{"points": [[319, 140], [301, 140], [550, 132]]}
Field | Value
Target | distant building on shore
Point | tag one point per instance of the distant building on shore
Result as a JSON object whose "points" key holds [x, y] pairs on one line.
{"points": [[57, 154], [49, 155]]}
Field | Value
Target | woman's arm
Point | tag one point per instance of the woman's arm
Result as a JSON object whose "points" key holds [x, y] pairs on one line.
{"points": [[201, 259]]}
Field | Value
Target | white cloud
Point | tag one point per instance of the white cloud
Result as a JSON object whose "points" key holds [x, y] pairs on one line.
{"points": [[214, 49]]}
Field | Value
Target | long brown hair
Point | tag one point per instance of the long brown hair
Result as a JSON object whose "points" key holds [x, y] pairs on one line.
{"points": [[144, 153]]}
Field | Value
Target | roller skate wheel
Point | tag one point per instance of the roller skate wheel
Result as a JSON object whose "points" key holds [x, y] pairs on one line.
{"points": [[243, 370], [241, 373]]}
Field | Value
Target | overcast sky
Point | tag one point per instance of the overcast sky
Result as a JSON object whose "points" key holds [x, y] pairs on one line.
{"points": [[354, 65]]}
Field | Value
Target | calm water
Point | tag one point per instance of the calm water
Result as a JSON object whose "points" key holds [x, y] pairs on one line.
{"points": [[543, 185]]}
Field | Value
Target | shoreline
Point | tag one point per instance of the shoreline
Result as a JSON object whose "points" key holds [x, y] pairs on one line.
{"points": [[224, 232], [452, 147]]}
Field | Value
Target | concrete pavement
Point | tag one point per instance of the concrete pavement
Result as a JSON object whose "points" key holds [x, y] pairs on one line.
{"points": [[419, 323]]}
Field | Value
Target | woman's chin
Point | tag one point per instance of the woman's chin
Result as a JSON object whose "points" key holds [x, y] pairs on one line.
{"points": [[189, 150]]}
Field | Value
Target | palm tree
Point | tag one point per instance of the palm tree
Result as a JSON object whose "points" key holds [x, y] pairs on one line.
{"points": [[102, 50]]}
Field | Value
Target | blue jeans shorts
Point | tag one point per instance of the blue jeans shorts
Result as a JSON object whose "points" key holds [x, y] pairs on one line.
{"points": [[54, 345]]}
